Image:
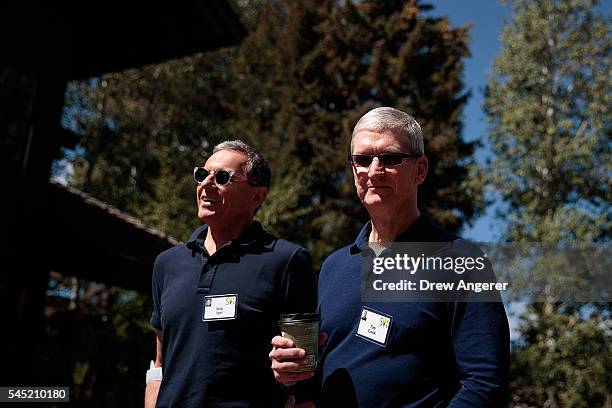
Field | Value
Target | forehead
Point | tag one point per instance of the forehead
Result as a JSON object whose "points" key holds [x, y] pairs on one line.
{"points": [[226, 160], [366, 141]]}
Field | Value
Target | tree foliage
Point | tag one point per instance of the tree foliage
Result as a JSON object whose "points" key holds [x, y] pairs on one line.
{"points": [[97, 340], [548, 105], [294, 89]]}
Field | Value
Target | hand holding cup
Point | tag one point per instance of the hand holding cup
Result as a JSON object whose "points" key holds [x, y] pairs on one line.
{"points": [[294, 353]]}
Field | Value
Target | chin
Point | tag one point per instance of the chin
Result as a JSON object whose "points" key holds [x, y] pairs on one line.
{"points": [[373, 199], [373, 202], [205, 215]]}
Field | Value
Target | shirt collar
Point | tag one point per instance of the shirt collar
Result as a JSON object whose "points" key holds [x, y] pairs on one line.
{"points": [[250, 236], [361, 242], [414, 232], [410, 234]]}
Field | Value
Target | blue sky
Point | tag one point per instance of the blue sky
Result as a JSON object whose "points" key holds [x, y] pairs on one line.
{"points": [[487, 18]]}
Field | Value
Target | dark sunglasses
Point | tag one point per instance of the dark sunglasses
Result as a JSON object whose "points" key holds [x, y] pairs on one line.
{"points": [[222, 177], [385, 160]]}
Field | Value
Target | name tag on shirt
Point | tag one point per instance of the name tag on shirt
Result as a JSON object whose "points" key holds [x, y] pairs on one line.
{"points": [[219, 307], [374, 326]]}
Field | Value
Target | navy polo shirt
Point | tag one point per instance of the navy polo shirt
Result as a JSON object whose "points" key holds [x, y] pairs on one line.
{"points": [[437, 354], [225, 363]]}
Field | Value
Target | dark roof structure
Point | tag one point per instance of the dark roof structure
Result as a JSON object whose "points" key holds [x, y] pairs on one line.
{"points": [[93, 37], [98, 242]]}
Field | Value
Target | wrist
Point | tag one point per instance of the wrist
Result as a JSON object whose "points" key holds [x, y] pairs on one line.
{"points": [[153, 373]]}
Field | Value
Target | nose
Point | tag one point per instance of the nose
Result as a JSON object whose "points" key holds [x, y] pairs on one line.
{"points": [[210, 179], [376, 168]]}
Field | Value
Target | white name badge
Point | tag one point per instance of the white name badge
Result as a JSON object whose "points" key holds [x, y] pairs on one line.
{"points": [[374, 326], [219, 307]]}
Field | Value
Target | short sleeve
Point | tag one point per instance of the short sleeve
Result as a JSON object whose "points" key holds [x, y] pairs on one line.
{"points": [[299, 284], [156, 287]]}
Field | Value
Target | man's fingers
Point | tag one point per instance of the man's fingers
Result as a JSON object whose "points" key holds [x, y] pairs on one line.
{"points": [[322, 338], [280, 354], [289, 366], [282, 342], [287, 360], [289, 379]]}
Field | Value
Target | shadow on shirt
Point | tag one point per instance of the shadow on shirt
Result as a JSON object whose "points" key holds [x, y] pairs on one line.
{"points": [[338, 390]]}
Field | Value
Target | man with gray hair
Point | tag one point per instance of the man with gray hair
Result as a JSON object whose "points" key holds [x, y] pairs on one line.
{"points": [[217, 299], [389, 353]]}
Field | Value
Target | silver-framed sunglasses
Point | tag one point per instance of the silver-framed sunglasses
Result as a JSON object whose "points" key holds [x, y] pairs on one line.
{"points": [[221, 177]]}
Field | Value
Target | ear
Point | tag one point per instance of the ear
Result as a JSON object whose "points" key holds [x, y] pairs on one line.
{"points": [[422, 165], [259, 196]]}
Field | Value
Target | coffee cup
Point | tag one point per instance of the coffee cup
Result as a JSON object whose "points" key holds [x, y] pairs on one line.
{"points": [[303, 330]]}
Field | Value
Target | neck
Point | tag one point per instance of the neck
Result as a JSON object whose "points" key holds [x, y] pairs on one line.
{"points": [[218, 235], [386, 228]]}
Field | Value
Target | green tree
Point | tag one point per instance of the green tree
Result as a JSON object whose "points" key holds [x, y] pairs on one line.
{"points": [[310, 69], [548, 106], [143, 130]]}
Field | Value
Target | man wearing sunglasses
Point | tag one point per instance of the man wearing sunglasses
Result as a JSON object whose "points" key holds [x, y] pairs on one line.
{"points": [[217, 299], [403, 354]]}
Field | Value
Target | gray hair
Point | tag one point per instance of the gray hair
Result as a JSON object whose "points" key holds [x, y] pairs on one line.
{"points": [[394, 120], [257, 169]]}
